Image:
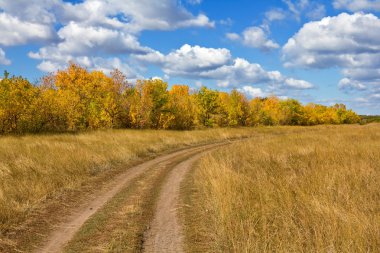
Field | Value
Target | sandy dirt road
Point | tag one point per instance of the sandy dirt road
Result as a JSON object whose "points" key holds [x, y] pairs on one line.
{"points": [[165, 233], [66, 231]]}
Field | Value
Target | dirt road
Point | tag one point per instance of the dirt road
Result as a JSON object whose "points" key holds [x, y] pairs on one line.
{"points": [[165, 234], [165, 211]]}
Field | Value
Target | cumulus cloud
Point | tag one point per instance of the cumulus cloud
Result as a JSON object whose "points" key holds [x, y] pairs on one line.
{"points": [[255, 37], [252, 91], [93, 63], [197, 62], [357, 5], [298, 84], [350, 85], [36, 11], [233, 36], [95, 50], [16, 32], [345, 40], [96, 40], [91, 28], [188, 61], [348, 41], [3, 59], [134, 16]]}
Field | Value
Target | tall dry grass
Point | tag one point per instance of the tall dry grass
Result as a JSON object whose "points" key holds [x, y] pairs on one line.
{"points": [[311, 190], [34, 167]]}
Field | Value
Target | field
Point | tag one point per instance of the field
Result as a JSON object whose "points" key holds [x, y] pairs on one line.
{"points": [[305, 190], [35, 167], [282, 189]]}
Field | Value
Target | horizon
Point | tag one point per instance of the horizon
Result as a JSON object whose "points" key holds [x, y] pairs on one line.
{"points": [[323, 52]]}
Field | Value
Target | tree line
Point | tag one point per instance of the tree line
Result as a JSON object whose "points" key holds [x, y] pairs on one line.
{"points": [[76, 99]]}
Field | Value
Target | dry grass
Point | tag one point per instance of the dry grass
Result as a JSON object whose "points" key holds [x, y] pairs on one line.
{"points": [[33, 168], [305, 190]]}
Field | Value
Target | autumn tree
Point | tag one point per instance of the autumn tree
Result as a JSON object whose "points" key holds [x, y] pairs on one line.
{"points": [[150, 99], [255, 112], [270, 112], [91, 100], [207, 106], [233, 109], [77, 99], [180, 112], [292, 113], [17, 96]]}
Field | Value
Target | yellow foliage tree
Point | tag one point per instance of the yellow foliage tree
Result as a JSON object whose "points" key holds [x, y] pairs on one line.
{"points": [[77, 99]]}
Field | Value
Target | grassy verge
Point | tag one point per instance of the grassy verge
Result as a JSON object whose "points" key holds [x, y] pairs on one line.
{"points": [[43, 176], [290, 191]]}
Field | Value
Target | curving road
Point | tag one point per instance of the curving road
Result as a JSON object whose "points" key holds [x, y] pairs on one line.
{"points": [[165, 233]]}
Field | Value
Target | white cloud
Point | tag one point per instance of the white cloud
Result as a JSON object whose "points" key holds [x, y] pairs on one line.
{"points": [[295, 8], [357, 5], [317, 12], [92, 31], [275, 14], [345, 40], [350, 42], [298, 84], [135, 16], [197, 62], [16, 32], [305, 8], [251, 91], [3, 59], [97, 49], [95, 41], [93, 63], [188, 60], [36, 11], [254, 37], [132, 16], [233, 36], [350, 85]]}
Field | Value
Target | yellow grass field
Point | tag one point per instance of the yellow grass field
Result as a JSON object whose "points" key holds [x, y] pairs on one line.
{"points": [[37, 166], [305, 190]]}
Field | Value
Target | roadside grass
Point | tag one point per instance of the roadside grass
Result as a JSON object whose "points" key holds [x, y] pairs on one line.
{"points": [[311, 190], [43, 176]]}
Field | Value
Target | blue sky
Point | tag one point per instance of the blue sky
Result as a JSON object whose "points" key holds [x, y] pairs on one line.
{"points": [[315, 51]]}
